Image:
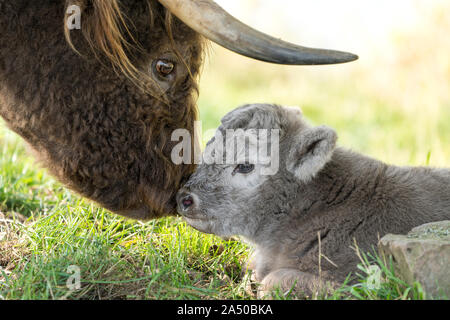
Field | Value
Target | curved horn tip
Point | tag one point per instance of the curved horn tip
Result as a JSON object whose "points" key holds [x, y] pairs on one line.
{"points": [[209, 19], [337, 58]]}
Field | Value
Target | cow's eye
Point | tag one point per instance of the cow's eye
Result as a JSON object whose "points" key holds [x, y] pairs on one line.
{"points": [[163, 68], [244, 168]]}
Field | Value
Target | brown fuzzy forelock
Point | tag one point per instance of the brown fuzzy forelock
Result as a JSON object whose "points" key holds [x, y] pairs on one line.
{"points": [[106, 30], [86, 101]]}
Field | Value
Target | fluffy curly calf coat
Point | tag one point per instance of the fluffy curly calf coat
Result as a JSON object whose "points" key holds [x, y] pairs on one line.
{"points": [[321, 194]]}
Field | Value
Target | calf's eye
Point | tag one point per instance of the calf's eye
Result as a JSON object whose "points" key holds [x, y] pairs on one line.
{"points": [[163, 68], [244, 168]]}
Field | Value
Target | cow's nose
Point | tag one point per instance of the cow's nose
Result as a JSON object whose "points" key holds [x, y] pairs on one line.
{"points": [[185, 201]]}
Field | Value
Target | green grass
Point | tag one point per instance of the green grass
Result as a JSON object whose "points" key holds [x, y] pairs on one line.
{"points": [[121, 260]]}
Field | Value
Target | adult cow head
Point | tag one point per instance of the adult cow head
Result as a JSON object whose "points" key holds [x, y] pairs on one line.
{"points": [[98, 105]]}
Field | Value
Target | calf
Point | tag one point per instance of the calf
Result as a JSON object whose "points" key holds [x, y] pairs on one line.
{"points": [[310, 211]]}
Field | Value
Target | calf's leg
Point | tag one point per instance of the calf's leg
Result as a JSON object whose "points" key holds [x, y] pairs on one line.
{"points": [[303, 285]]}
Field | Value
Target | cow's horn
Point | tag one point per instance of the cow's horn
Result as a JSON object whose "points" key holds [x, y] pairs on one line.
{"points": [[213, 22]]}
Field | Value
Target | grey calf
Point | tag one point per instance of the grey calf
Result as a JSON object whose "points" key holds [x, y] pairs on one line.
{"points": [[320, 194]]}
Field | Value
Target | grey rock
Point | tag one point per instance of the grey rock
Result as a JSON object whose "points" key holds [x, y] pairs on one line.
{"points": [[423, 255]]}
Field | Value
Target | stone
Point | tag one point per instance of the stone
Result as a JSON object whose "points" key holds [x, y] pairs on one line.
{"points": [[423, 255]]}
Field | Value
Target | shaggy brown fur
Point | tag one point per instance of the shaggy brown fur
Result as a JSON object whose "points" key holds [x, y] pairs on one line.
{"points": [[97, 116]]}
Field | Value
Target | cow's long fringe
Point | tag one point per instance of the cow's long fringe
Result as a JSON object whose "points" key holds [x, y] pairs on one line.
{"points": [[108, 35]]}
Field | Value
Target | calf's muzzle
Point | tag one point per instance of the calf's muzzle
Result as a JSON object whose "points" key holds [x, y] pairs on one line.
{"points": [[186, 202]]}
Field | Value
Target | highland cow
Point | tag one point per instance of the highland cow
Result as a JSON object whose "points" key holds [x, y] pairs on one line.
{"points": [[305, 218], [98, 105]]}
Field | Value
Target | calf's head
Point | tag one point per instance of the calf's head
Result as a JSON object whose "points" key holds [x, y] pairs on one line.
{"points": [[244, 193]]}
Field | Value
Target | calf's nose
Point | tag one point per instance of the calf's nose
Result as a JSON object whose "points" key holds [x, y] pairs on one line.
{"points": [[185, 201]]}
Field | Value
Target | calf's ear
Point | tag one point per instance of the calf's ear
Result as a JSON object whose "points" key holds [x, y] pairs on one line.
{"points": [[310, 151]]}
